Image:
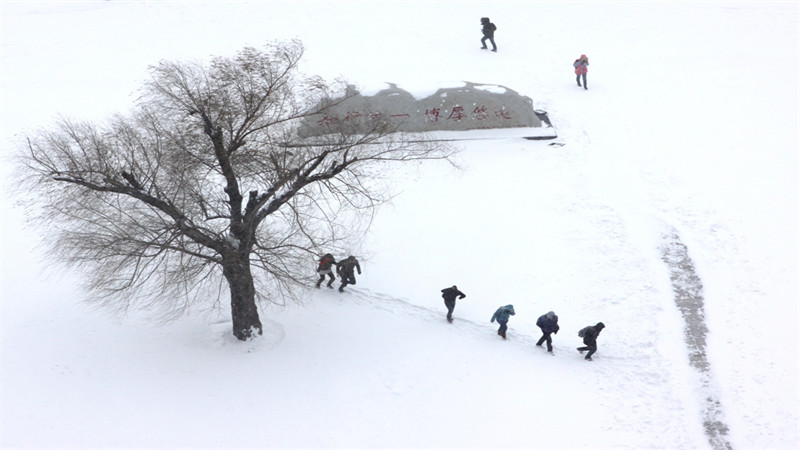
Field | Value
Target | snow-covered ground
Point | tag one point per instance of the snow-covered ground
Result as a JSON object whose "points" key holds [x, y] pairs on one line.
{"points": [[690, 124]]}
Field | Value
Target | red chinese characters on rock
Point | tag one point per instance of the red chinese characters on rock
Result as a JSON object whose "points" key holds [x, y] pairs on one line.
{"points": [[457, 114], [352, 115], [432, 115], [479, 113], [503, 113], [327, 120]]}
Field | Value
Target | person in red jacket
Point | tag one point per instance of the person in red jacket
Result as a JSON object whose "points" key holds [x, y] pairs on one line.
{"points": [[325, 268], [581, 68]]}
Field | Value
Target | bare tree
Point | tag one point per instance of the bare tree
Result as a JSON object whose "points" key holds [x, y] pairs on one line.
{"points": [[196, 189]]}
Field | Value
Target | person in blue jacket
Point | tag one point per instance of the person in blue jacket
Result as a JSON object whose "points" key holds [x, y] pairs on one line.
{"points": [[548, 324], [501, 316]]}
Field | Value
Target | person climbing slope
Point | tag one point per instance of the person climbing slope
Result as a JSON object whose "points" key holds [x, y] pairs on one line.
{"points": [[488, 33], [548, 323], [449, 295], [589, 335], [345, 269], [501, 316], [325, 268]]}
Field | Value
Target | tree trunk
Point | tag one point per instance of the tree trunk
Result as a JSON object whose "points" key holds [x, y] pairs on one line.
{"points": [[244, 312]]}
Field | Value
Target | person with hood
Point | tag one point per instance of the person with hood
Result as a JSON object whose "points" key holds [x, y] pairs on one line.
{"points": [[449, 295], [324, 268], [581, 68], [548, 324], [501, 316], [589, 335], [345, 270], [488, 33]]}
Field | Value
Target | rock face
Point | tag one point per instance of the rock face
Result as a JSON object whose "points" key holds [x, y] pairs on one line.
{"points": [[469, 107]]}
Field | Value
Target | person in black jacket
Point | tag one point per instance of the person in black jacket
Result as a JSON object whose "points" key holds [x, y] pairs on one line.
{"points": [[345, 270], [449, 295], [548, 324], [488, 33], [590, 334]]}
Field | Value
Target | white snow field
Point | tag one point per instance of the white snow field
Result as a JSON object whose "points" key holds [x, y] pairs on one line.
{"points": [[688, 132]]}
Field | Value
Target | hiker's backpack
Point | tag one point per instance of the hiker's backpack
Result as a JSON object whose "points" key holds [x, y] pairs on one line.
{"points": [[582, 332]]}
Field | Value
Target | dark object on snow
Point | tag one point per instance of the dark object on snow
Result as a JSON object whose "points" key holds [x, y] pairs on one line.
{"points": [[589, 335], [548, 324], [449, 295], [542, 115], [345, 270], [545, 119], [488, 33]]}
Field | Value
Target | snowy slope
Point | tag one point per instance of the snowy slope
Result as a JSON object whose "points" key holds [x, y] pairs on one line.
{"points": [[690, 124]]}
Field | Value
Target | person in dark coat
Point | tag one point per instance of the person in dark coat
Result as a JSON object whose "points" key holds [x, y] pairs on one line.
{"points": [[325, 268], [590, 335], [345, 269], [581, 66], [548, 324], [449, 295], [488, 33], [501, 316]]}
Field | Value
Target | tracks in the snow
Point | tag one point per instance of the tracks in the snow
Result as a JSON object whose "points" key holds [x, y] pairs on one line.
{"points": [[688, 291], [399, 306], [688, 296]]}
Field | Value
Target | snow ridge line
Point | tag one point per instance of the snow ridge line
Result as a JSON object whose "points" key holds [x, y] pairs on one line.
{"points": [[396, 305], [469, 327], [688, 290]]}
